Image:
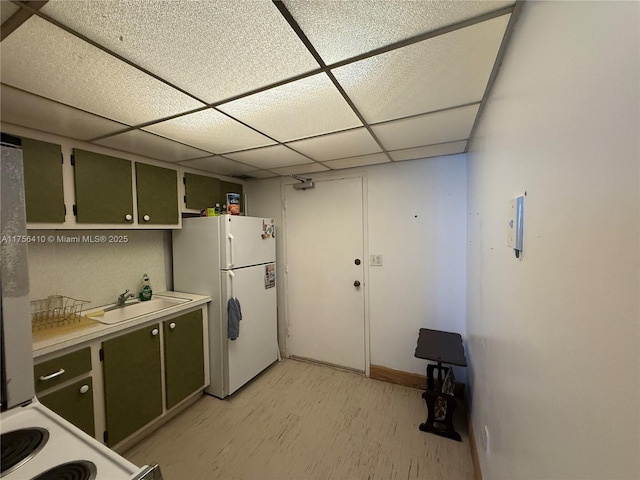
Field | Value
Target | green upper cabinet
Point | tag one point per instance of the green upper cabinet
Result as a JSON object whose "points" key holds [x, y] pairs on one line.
{"points": [[228, 187], [104, 190], [201, 191], [204, 192], [44, 195], [183, 356], [157, 192]]}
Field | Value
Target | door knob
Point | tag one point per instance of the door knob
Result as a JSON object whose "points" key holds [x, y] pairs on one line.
{"points": [[356, 283], [357, 261], [172, 325], [154, 332]]}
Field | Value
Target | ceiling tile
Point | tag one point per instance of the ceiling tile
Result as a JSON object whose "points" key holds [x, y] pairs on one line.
{"points": [[307, 107], [150, 145], [301, 169], [440, 127], [213, 49], [444, 71], [262, 174], [44, 59], [270, 157], [338, 145], [219, 165], [210, 130], [339, 29], [25, 109], [429, 151], [361, 161], [7, 9]]}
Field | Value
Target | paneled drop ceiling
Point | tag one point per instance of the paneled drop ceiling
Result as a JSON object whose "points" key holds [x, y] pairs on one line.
{"points": [[254, 88]]}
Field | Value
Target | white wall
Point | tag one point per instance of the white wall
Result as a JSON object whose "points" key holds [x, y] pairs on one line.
{"points": [[416, 220], [553, 338]]}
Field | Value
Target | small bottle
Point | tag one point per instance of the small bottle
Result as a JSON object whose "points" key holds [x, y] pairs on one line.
{"points": [[145, 291]]}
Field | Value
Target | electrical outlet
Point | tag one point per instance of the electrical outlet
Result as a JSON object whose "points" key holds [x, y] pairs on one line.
{"points": [[375, 260]]}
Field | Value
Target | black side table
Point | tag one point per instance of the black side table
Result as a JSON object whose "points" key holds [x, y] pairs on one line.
{"points": [[441, 347]]}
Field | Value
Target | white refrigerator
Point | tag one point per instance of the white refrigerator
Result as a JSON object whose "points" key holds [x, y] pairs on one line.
{"points": [[226, 257]]}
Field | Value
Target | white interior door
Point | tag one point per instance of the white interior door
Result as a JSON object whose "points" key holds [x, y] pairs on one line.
{"points": [[324, 255]]}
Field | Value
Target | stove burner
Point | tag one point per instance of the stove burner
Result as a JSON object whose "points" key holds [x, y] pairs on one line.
{"points": [[78, 470], [19, 446]]}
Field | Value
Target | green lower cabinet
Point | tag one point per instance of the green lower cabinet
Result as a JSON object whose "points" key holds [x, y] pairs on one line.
{"points": [[74, 403], [132, 382], [183, 356]]}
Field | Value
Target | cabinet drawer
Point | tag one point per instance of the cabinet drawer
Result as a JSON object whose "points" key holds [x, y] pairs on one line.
{"points": [[57, 370]]}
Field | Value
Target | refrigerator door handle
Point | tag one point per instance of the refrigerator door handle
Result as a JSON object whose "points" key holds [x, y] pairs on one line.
{"points": [[231, 275], [231, 250]]}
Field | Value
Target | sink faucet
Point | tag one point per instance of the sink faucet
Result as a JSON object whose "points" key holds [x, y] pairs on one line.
{"points": [[123, 297]]}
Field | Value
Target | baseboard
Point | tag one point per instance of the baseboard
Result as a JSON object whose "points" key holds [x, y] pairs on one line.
{"points": [[399, 377], [408, 379], [473, 446]]}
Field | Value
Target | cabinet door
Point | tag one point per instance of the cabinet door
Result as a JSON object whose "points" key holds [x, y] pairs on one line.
{"points": [[132, 382], [43, 191], [228, 187], [201, 192], [157, 193], [104, 190], [73, 403], [183, 356]]}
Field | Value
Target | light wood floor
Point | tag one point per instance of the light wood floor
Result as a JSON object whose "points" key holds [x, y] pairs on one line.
{"points": [[299, 420]]}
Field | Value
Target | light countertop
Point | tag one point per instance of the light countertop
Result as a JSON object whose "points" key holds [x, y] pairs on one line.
{"points": [[68, 338]]}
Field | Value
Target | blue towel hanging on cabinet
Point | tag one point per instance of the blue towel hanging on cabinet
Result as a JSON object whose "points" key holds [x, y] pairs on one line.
{"points": [[234, 315]]}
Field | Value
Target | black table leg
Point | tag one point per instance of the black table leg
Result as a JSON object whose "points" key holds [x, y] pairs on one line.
{"points": [[444, 428]]}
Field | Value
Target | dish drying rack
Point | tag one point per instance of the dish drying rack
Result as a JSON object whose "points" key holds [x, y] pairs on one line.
{"points": [[56, 311]]}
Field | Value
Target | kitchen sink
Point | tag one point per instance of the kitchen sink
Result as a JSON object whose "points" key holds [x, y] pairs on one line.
{"points": [[114, 314]]}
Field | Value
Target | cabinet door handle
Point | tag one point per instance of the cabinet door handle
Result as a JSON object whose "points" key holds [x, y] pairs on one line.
{"points": [[53, 375], [172, 325], [84, 389], [154, 332], [128, 217], [146, 218]]}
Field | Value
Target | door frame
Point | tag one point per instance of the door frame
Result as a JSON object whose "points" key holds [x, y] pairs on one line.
{"points": [[365, 254]]}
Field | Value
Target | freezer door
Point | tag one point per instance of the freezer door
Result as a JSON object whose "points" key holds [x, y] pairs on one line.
{"points": [[246, 241], [256, 346]]}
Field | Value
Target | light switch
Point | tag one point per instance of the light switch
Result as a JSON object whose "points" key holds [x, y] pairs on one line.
{"points": [[375, 260]]}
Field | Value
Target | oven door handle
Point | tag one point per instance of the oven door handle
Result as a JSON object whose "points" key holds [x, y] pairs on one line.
{"points": [[53, 375], [149, 473]]}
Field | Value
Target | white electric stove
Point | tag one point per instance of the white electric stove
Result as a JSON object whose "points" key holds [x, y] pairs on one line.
{"points": [[38, 444]]}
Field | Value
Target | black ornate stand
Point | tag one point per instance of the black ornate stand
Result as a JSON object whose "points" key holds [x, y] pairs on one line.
{"points": [[441, 347]]}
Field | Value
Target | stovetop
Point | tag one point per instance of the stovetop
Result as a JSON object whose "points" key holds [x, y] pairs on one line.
{"points": [[37, 444]]}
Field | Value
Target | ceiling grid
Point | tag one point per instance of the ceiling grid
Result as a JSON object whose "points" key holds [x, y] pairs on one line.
{"points": [[258, 88]]}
